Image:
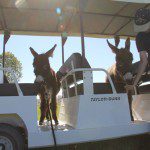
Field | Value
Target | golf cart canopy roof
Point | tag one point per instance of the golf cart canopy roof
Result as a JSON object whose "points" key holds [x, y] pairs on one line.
{"points": [[101, 18]]}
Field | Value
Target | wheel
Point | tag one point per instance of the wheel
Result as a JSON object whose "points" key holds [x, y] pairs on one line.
{"points": [[11, 138]]}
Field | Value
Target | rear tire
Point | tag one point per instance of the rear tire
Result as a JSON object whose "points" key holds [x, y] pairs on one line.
{"points": [[11, 138]]}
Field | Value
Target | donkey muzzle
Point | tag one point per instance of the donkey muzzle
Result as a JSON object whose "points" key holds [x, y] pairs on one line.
{"points": [[128, 76], [39, 79]]}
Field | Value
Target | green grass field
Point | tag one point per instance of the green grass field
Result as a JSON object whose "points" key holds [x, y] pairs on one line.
{"points": [[39, 112]]}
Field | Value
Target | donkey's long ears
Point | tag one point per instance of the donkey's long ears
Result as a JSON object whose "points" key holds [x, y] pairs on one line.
{"points": [[51, 51], [117, 40], [127, 44], [34, 53], [114, 48]]}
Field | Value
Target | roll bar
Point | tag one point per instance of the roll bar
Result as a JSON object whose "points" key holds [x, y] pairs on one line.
{"points": [[73, 71]]}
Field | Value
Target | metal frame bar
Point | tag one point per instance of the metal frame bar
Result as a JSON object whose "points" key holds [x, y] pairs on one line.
{"points": [[111, 15], [74, 78], [65, 11], [88, 70], [63, 55], [122, 26], [82, 30], [54, 33]]}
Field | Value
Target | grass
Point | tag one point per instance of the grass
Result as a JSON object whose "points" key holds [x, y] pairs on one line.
{"points": [[39, 112]]}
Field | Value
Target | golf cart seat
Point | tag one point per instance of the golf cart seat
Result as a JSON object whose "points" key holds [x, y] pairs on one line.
{"points": [[9, 89]]}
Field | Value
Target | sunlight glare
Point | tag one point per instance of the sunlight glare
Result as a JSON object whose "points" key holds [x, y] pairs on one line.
{"points": [[58, 11], [20, 3]]}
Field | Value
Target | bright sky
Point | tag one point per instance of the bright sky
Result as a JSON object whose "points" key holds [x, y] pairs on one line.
{"points": [[98, 53]]}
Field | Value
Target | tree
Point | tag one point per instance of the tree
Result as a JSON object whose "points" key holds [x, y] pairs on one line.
{"points": [[14, 63]]}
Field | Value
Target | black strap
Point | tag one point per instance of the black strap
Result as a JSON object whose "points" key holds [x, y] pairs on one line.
{"points": [[53, 132]]}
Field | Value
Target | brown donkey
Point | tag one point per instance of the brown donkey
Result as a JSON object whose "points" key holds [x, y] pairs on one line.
{"points": [[121, 71], [47, 84]]}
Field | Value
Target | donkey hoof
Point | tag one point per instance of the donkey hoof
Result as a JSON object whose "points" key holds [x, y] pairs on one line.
{"points": [[56, 123], [40, 123]]}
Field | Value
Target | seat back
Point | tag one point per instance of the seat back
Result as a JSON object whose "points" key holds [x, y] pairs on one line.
{"points": [[77, 61], [9, 89]]}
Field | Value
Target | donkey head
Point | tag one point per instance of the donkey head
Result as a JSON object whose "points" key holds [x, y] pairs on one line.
{"points": [[124, 58], [41, 64]]}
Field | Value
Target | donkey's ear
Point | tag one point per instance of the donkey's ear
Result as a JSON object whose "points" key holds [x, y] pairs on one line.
{"points": [[117, 40], [113, 48], [127, 44], [34, 53], [51, 51]]}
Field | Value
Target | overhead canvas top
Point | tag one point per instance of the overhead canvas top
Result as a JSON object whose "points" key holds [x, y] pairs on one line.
{"points": [[38, 17]]}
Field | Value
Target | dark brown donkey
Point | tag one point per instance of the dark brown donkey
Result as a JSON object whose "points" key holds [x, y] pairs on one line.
{"points": [[121, 71], [47, 84]]}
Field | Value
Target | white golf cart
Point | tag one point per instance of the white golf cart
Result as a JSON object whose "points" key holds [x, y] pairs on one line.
{"points": [[89, 111]]}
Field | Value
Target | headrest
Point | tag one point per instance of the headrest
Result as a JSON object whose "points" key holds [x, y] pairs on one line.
{"points": [[77, 60]]}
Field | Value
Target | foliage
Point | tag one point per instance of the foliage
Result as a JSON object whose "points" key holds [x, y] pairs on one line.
{"points": [[14, 63]]}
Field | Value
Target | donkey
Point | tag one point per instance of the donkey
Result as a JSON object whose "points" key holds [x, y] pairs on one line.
{"points": [[47, 84], [121, 71]]}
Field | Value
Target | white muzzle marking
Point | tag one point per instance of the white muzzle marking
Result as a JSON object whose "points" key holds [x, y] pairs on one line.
{"points": [[39, 79], [128, 76], [48, 94]]}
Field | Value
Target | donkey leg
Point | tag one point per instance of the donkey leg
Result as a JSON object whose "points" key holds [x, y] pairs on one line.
{"points": [[54, 108], [43, 111], [130, 104], [48, 111]]}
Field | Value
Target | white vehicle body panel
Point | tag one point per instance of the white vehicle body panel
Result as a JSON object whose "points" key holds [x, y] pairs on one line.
{"points": [[24, 106]]}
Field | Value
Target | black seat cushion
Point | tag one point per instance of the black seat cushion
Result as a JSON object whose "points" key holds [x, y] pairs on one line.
{"points": [[11, 90], [105, 88], [144, 89], [99, 88]]}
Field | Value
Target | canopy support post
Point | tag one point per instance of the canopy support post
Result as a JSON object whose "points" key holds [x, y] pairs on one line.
{"points": [[62, 50], [4, 47], [82, 30], [63, 41], [5, 39]]}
